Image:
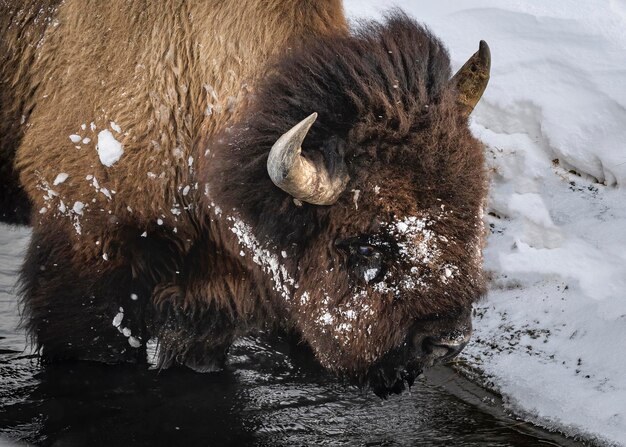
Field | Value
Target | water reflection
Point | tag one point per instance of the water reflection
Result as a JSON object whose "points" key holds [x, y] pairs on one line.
{"points": [[264, 397]]}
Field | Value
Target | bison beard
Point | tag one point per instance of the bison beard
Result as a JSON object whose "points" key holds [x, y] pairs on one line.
{"points": [[369, 249]]}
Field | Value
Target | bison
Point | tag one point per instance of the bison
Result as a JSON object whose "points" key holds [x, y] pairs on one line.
{"points": [[197, 170]]}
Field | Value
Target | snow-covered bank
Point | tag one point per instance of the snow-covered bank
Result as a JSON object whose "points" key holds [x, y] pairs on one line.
{"points": [[550, 335]]}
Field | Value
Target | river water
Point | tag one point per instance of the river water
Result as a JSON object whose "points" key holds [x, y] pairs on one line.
{"points": [[269, 395]]}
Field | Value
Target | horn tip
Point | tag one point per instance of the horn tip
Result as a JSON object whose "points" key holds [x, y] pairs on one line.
{"points": [[311, 118], [484, 52], [307, 122]]}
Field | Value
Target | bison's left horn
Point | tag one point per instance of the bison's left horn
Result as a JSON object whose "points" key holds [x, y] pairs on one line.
{"points": [[472, 79], [300, 177]]}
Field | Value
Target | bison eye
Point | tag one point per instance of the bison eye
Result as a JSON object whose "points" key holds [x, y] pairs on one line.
{"points": [[367, 262], [366, 250], [364, 261]]}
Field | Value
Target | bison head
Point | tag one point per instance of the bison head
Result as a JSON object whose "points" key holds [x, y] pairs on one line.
{"points": [[370, 231]]}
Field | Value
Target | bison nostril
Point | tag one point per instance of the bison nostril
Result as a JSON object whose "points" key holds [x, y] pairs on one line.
{"points": [[444, 349]]}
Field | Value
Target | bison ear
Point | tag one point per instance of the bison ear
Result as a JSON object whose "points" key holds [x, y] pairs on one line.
{"points": [[472, 79]]}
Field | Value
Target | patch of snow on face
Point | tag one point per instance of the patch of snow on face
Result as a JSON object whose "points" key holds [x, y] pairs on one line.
{"points": [[376, 189], [116, 127], [304, 298], [264, 258], [134, 342], [326, 319], [349, 321], [86, 140], [134, 297], [370, 274], [418, 247], [350, 314], [344, 327], [43, 210], [402, 227], [216, 209], [60, 178], [109, 149], [92, 126], [186, 190], [105, 256], [75, 138], [159, 221], [448, 272], [418, 244]]}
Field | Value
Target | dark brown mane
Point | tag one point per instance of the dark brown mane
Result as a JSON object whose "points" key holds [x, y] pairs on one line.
{"points": [[383, 96]]}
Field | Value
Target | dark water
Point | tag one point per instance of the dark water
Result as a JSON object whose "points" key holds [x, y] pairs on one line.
{"points": [[268, 396]]}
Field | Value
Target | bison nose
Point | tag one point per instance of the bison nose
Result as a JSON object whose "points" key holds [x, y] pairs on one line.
{"points": [[445, 348]]}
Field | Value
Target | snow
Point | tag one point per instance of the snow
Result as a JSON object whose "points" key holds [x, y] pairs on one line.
{"points": [[549, 335], [264, 257], [134, 342], [109, 149], [60, 178], [78, 208], [117, 320], [370, 274]]}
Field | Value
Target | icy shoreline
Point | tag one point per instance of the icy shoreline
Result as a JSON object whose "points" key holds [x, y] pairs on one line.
{"points": [[549, 335]]}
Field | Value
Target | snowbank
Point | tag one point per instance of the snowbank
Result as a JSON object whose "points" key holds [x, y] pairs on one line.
{"points": [[550, 335]]}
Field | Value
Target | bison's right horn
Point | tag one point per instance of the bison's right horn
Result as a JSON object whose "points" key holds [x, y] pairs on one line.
{"points": [[300, 177]]}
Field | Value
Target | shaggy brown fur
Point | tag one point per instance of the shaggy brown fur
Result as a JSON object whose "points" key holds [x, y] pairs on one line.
{"points": [[166, 72], [22, 25], [186, 238], [386, 104]]}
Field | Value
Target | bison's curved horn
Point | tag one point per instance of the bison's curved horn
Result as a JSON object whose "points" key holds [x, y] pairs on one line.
{"points": [[300, 177], [471, 80]]}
